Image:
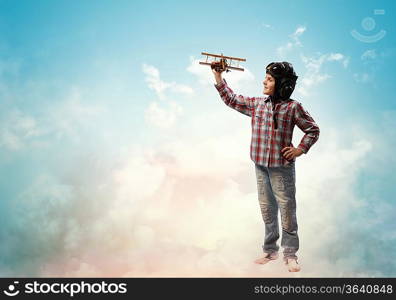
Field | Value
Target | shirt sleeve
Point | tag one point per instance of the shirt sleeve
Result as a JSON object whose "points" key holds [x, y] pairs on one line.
{"points": [[307, 124], [243, 104]]}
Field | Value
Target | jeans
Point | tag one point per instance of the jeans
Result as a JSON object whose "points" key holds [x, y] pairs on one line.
{"points": [[277, 189]]}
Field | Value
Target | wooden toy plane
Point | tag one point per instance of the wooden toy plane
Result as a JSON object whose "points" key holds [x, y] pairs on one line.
{"points": [[222, 63]]}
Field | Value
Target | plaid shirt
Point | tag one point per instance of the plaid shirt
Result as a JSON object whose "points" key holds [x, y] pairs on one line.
{"points": [[272, 127]]}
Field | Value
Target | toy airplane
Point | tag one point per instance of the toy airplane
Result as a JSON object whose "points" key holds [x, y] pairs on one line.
{"points": [[222, 63]]}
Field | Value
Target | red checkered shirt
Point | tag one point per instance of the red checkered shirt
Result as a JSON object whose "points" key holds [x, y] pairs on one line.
{"points": [[268, 139]]}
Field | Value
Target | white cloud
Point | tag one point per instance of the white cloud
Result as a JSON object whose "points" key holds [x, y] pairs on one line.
{"points": [[161, 117], [10, 141], [74, 115], [338, 57], [372, 61], [313, 73], [205, 75], [70, 117], [267, 26], [295, 36], [299, 31], [18, 130], [192, 200], [186, 206], [308, 81], [155, 83], [369, 54], [345, 62], [203, 72], [335, 56], [313, 65], [361, 77]]}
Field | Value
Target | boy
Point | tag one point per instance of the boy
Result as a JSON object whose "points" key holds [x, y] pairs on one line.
{"points": [[273, 118]]}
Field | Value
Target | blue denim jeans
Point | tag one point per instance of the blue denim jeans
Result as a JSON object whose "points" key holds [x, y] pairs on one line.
{"points": [[277, 191]]}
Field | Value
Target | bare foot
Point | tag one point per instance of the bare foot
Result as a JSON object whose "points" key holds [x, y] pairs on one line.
{"points": [[292, 265], [266, 258]]}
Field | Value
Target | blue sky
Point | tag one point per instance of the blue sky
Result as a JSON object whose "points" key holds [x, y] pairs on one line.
{"points": [[64, 41], [87, 87]]}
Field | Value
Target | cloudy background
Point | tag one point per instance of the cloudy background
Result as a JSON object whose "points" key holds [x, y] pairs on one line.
{"points": [[118, 157]]}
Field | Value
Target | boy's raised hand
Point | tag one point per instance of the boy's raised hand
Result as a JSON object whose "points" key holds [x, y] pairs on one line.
{"points": [[216, 74]]}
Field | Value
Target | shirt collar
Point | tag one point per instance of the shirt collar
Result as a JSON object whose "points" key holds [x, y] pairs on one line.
{"points": [[270, 98]]}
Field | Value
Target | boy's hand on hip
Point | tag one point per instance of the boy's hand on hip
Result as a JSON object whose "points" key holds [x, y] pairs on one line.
{"points": [[291, 152]]}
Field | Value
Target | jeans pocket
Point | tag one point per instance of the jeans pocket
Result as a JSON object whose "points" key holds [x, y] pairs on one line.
{"points": [[286, 182]]}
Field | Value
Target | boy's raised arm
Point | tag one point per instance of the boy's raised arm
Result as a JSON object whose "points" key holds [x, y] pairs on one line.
{"points": [[243, 104]]}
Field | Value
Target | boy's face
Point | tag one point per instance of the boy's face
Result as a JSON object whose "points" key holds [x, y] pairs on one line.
{"points": [[269, 85]]}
